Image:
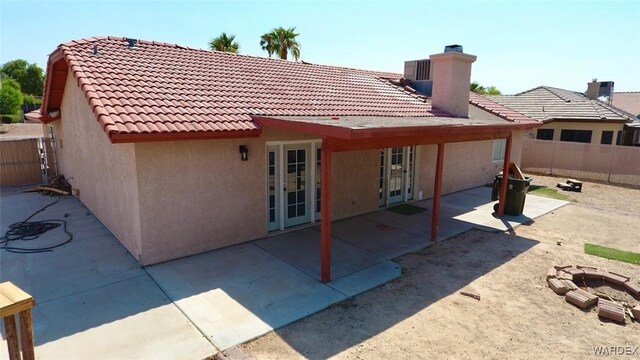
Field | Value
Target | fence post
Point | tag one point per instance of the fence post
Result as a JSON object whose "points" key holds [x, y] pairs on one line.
{"points": [[613, 149], [553, 154]]}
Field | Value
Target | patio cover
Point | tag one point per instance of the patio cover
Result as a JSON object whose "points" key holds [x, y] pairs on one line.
{"points": [[352, 133]]}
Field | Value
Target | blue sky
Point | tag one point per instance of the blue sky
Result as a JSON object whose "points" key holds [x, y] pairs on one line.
{"points": [[519, 44]]}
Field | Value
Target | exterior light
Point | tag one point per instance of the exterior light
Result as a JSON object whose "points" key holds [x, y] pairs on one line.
{"points": [[244, 153]]}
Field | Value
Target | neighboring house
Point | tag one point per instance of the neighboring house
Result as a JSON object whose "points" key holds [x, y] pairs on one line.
{"points": [[570, 116], [629, 102], [179, 150]]}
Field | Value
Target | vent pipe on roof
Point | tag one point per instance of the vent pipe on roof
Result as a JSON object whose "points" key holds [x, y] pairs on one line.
{"points": [[96, 51], [453, 48], [133, 43]]}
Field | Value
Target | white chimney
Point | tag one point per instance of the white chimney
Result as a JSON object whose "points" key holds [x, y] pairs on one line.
{"points": [[451, 74]]}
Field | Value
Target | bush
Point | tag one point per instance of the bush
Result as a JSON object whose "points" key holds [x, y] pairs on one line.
{"points": [[8, 119], [10, 96], [30, 103], [30, 99]]}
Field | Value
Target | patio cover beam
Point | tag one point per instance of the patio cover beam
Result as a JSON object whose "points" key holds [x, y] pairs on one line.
{"points": [[505, 177], [383, 142], [437, 189], [325, 215]]}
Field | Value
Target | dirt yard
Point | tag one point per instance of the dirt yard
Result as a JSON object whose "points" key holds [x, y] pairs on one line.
{"points": [[20, 131], [422, 315]]}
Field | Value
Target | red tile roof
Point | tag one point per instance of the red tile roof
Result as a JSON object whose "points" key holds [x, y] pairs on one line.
{"points": [[160, 88]]}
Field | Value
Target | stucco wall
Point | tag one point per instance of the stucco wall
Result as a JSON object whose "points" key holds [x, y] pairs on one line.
{"points": [[466, 165], [355, 183], [197, 195], [104, 173], [596, 127]]}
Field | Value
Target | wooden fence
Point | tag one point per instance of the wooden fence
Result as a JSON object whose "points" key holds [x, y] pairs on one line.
{"points": [[611, 163]]}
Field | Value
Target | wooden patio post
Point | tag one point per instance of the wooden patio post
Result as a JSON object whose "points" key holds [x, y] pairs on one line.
{"points": [[437, 189], [505, 177], [325, 214]]}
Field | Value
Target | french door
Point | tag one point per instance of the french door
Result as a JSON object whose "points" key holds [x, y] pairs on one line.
{"points": [[396, 174], [293, 189]]}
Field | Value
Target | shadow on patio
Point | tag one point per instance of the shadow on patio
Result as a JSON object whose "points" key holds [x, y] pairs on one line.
{"points": [[448, 267], [93, 299]]}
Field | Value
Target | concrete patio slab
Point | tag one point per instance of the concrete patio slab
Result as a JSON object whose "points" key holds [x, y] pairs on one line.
{"points": [[367, 279], [383, 240], [241, 292], [131, 319], [301, 249], [92, 298]]}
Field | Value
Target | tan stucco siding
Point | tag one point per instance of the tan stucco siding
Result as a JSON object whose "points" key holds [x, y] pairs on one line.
{"points": [[197, 195], [466, 165], [104, 173], [596, 127], [355, 183]]}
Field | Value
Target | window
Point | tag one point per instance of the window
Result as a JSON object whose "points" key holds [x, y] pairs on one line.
{"points": [[619, 138], [498, 149], [607, 138], [583, 136], [544, 134]]}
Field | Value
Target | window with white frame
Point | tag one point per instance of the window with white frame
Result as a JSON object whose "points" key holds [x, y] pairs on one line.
{"points": [[498, 149]]}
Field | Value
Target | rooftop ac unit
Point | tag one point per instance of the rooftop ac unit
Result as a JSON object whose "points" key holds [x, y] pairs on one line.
{"points": [[419, 72]]}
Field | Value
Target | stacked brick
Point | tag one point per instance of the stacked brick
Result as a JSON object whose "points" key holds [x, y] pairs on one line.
{"points": [[561, 279]]}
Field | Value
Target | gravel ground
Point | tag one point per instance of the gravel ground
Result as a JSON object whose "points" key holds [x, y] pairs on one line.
{"points": [[423, 316]]}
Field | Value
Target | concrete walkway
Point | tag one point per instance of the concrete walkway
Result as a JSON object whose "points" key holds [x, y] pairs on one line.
{"points": [[94, 301]]}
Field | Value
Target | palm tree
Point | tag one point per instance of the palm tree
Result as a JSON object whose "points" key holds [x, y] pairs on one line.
{"points": [[281, 41], [476, 88], [267, 42], [492, 90], [225, 43], [479, 89]]}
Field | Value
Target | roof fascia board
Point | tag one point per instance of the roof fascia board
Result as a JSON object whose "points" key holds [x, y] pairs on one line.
{"points": [[116, 138], [338, 145]]}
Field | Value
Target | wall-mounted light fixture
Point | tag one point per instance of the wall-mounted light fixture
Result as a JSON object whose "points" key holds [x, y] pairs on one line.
{"points": [[244, 153]]}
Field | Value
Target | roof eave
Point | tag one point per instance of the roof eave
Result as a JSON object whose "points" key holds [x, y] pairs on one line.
{"points": [[120, 138]]}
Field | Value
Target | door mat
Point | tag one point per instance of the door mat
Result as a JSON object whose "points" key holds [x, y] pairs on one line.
{"points": [[407, 209]]}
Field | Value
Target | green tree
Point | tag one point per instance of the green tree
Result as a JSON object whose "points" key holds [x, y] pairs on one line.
{"points": [[479, 89], [10, 96], [29, 76], [225, 43], [266, 43], [476, 87], [492, 90], [281, 41]]}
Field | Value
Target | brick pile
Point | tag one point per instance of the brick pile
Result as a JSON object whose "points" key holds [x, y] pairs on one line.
{"points": [[560, 279]]}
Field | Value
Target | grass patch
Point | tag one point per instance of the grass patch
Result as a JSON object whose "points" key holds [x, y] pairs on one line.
{"points": [[611, 253], [407, 209], [547, 192]]}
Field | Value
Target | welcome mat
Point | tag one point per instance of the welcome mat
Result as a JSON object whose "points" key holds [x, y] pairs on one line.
{"points": [[407, 209]]}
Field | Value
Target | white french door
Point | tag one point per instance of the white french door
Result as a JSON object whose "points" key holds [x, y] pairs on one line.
{"points": [[396, 175], [293, 184]]}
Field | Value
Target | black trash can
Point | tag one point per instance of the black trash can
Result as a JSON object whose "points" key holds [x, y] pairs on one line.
{"points": [[516, 194]]}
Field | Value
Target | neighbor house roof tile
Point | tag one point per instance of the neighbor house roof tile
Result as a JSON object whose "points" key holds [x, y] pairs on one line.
{"points": [[546, 103], [627, 101]]}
